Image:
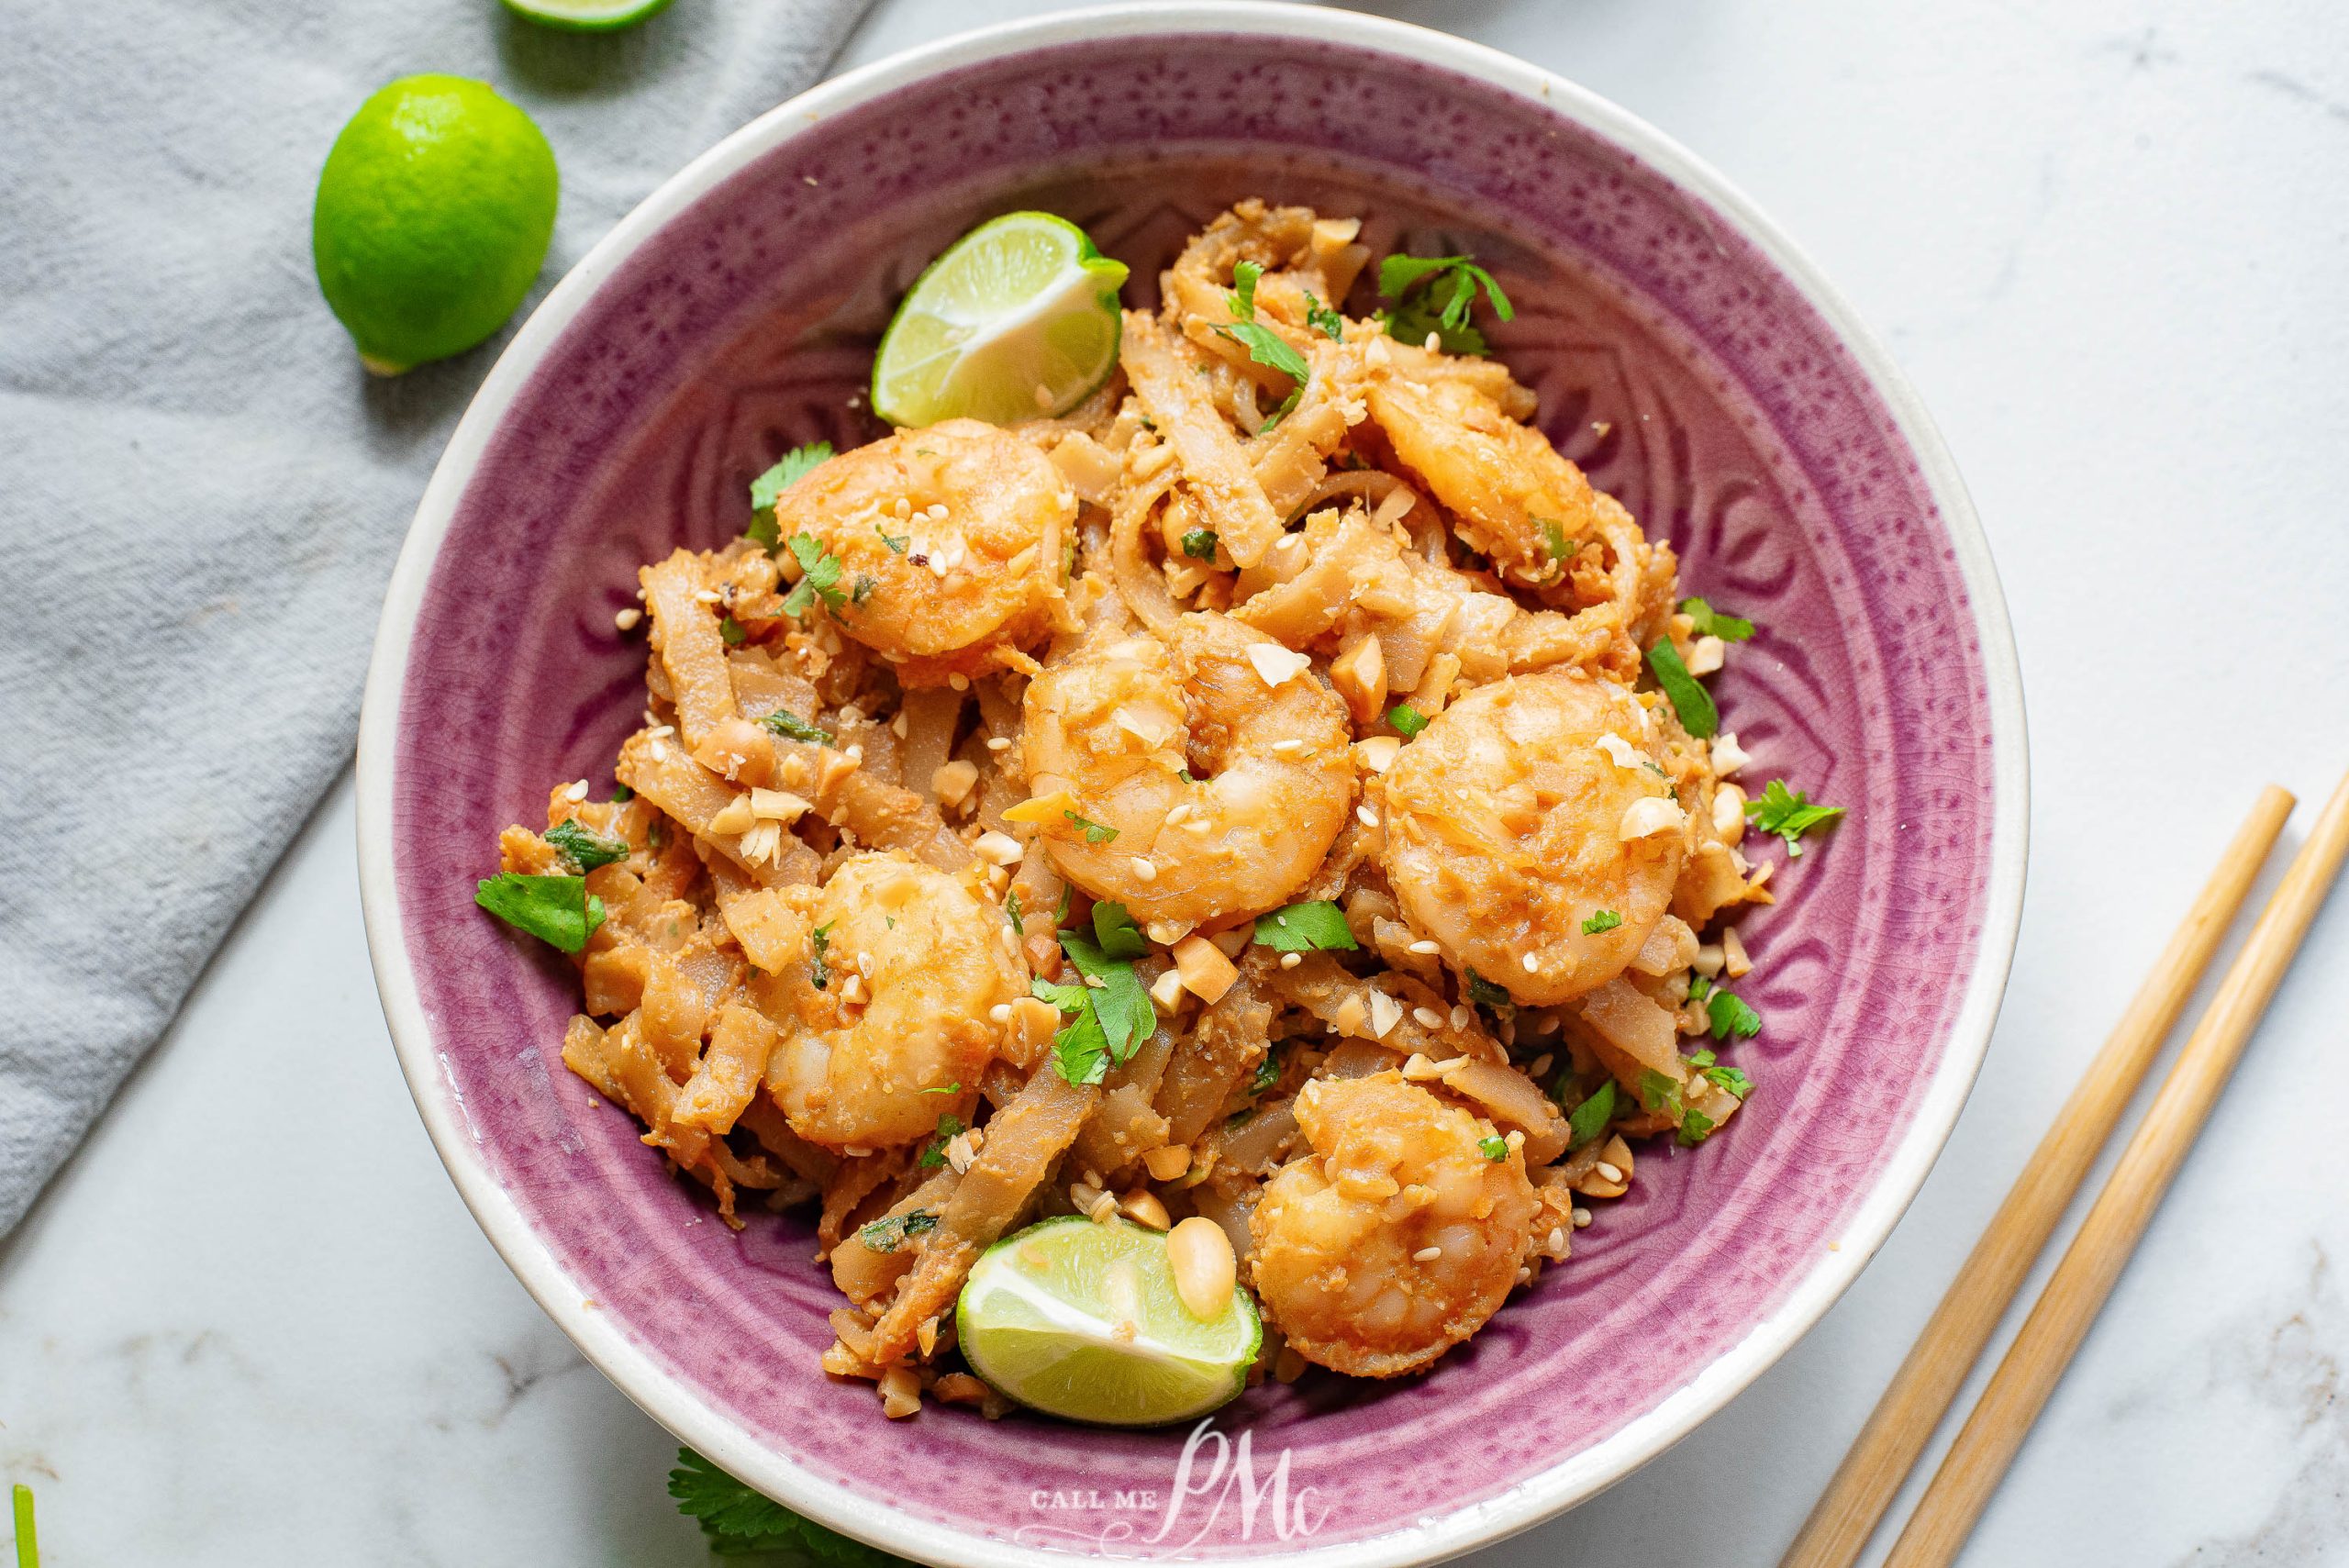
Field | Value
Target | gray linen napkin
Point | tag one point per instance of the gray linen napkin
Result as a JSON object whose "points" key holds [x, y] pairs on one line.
{"points": [[200, 493]]}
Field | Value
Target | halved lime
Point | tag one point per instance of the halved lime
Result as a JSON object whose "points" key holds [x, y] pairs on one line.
{"points": [[1080, 1319], [1017, 319], [587, 16]]}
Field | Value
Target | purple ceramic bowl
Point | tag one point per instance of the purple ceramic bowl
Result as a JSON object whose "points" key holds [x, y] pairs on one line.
{"points": [[1687, 356]]}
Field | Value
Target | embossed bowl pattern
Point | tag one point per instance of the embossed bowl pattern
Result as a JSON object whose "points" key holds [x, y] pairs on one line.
{"points": [[1685, 355]]}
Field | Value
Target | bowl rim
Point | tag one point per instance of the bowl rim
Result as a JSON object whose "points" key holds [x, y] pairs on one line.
{"points": [[1550, 1492]]}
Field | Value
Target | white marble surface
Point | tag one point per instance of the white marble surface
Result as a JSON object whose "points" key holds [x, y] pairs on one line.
{"points": [[251, 1324]]}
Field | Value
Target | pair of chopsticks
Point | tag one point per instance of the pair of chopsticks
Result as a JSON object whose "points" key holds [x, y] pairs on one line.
{"points": [[1903, 1422]]}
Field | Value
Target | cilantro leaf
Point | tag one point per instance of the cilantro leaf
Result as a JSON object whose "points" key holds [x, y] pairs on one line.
{"points": [[1710, 622], [1483, 993], [1659, 1094], [819, 942], [621, 794], [1123, 1007], [1695, 1127], [1605, 920], [1789, 814], [865, 588], [1729, 1016], [1730, 1079], [1303, 927], [584, 849], [1269, 349], [819, 575], [1267, 1073], [1406, 720], [1114, 929], [1555, 544], [1011, 907], [1695, 706], [784, 722], [739, 1520], [934, 1154], [1244, 277], [1200, 544], [1095, 833], [769, 487], [1323, 319], [558, 910], [1589, 1119], [1494, 1149], [897, 542], [893, 1232], [1447, 286], [730, 632], [953, 1088]]}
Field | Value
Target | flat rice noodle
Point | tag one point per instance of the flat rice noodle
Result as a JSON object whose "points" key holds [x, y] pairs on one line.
{"points": [[1291, 458], [1215, 468], [932, 715], [1515, 1101], [1142, 585], [1231, 1209], [857, 1177], [1632, 1034], [765, 1120], [731, 1070], [864, 1275], [1232, 1036], [624, 1070], [1128, 1124], [692, 797], [882, 816], [1321, 987], [685, 635], [1024, 1140], [768, 924], [1258, 1145]]}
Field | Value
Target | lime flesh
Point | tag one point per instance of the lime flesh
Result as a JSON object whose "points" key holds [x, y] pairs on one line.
{"points": [[433, 215], [1017, 319], [586, 15], [1082, 1320]]}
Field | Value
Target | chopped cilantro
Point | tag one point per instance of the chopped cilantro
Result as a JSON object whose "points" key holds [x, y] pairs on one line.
{"points": [[558, 910], [1011, 907], [1245, 278], [1110, 1019], [1200, 544], [784, 722], [1323, 319], [739, 1521], [1447, 286], [769, 487], [1698, 716], [953, 1088], [1494, 1149], [1406, 720], [1554, 542], [933, 1153], [1728, 1078], [865, 589], [622, 795], [1659, 1094], [819, 942], [1303, 927], [730, 631], [1789, 814], [585, 850], [1695, 1127], [1605, 920], [1729, 1016], [1095, 833], [1264, 346], [893, 1232], [1267, 1073], [819, 575], [897, 542], [1114, 929], [1710, 622], [1704, 1058], [1699, 988], [1484, 993], [1589, 1119]]}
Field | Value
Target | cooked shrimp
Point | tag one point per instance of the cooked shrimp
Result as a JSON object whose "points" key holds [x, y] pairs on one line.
{"points": [[1397, 1236], [1112, 733], [1522, 818], [951, 541], [1518, 501], [911, 961]]}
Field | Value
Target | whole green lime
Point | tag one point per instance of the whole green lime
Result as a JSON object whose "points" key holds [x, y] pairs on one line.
{"points": [[433, 215]]}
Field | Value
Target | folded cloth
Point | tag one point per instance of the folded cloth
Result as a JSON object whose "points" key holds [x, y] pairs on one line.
{"points": [[201, 491]]}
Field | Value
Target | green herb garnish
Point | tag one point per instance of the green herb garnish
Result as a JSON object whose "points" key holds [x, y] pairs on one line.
{"points": [[1095, 833], [1589, 1119], [1695, 1127], [1267, 1073], [865, 588], [1316, 924], [1659, 1094], [622, 795], [1555, 544], [1445, 287], [585, 850], [730, 632], [27, 1540], [1729, 1016], [1200, 544], [892, 1231], [819, 575], [1695, 706], [897, 542], [1406, 720], [1484, 993], [1110, 1019], [1730, 1079], [739, 1521], [558, 910], [1710, 622], [819, 942], [784, 722], [1605, 920], [1114, 930], [1011, 907], [1789, 814], [1323, 319], [934, 1154], [769, 487], [1264, 346], [1495, 1149]]}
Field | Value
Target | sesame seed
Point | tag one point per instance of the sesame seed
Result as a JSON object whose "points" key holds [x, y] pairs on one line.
{"points": [[1000, 1013], [1044, 395], [1424, 947], [1291, 960], [998, 743], [1610, 1172], [901, 508], [1435, 341], [1429, 1017], [577, 792], [1532, 965], [1557, 1240], [704, 596], [1368, 818], [1582, 1218], [629, 618], [661, 731], [1426, 1254], [1540, 1065], [959, 683], [1145, 868], [1289, 748], [935, 512]]}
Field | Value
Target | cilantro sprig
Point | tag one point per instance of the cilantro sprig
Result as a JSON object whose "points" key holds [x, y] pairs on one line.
{"points": [[1695, 706], [582, 849], [1264, 346], [1788, 812], [1484, 993], [1728, 1014], [1316, 924], [1109, 1017], [1323, 319], [1432, 294], [558, 910], [819, 576], [1095, 832], [934, 1154], [768, 487], [1710, 622], [1494, 1149], [1603, 920]]}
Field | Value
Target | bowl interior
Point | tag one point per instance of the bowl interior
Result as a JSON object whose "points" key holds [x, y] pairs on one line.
{"points": [[1675, 363]]}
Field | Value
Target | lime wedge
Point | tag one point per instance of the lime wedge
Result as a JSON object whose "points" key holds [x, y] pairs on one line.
{"points": [[586, 15], [1080, 1319], [1017, 319]]}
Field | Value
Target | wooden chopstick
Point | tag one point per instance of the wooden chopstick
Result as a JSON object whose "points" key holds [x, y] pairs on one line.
{"points": [[1986, 1445], [1920, 1393]]}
